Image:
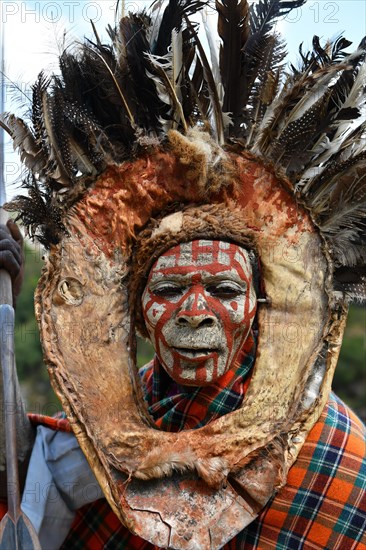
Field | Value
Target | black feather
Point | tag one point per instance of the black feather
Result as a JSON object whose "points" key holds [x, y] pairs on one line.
{"points": [[148, 108], [264, 13], [61, 132], [173, 17], [211, 84], [233, 28], [38, 213], [263, 80], [38, 90]]}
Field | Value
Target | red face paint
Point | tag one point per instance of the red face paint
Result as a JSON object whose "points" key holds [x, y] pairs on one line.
{"points": [[199, 305]]}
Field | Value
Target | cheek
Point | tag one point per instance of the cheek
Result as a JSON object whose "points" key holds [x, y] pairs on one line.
{"points": [[152, 310], [156, 312], [240, 312]]}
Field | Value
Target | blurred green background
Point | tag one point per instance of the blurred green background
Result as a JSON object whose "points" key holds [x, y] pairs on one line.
{"points": [[349, 382]]}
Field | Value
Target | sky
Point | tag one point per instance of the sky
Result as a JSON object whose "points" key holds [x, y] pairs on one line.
{"points": [[34, 30]]}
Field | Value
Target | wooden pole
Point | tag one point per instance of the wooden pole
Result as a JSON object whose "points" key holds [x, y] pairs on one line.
{"points": [[16, 531], [23, 429], [16, 433]]}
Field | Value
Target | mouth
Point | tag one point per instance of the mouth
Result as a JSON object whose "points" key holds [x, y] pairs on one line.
{"points": [[195, 353]]}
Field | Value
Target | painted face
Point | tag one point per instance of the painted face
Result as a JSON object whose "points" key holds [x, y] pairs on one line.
{"points": [[198, 305]]}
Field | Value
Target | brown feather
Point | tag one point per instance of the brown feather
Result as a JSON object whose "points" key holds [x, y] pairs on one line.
{"points": [[233, 29]]}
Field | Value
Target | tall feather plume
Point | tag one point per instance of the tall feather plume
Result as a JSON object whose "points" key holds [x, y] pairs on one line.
{"points": [[177, 63], [266, 84], [91, 78], [163, 76], [115, 83], [200, 93], [188, 94], [173, 17], [217, 119], [50, 133], [233, 29], [88, 145], [210, 35], [260, 55], [135, 64]]}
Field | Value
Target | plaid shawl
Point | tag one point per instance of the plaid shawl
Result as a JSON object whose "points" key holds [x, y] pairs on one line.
{"points": [[175, 408], [322, 506]]}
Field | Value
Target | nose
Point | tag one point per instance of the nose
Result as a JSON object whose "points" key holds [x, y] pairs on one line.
{"points": [[196, 321], [195, 312]]}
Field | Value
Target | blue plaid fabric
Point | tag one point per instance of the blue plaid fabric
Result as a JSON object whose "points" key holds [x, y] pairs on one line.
{"points": [[322, 506]]}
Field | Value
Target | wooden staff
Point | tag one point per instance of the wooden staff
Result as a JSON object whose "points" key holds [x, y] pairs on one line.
{"points": [[16, 531]]}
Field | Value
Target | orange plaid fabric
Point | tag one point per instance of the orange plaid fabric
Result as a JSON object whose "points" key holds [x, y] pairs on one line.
{"points": [[322, 506]]}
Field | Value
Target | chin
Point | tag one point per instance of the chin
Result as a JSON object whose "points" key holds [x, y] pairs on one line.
{"points": [[196, 375]]}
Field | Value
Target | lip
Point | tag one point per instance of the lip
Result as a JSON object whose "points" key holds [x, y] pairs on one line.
{"points": [[196, 353]]}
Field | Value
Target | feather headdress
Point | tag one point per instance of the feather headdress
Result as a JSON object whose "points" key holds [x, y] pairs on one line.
{"points": [[113, 100], [156, 121]]}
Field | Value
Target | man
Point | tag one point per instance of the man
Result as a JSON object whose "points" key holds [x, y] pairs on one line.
{"points": [[158, 215], [199, 305]]}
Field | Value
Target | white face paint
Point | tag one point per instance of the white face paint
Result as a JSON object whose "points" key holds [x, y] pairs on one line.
{"points": [[199, 305]]}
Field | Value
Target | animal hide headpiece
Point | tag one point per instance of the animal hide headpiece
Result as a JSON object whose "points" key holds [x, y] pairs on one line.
{"points": [[149, 141]]}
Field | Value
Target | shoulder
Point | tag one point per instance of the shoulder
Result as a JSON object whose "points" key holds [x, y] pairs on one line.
{"points": [[338, 432], [327, 484], [333, 457], [323, 504]]}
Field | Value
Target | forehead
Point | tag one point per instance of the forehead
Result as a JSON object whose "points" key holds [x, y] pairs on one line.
{"points": [[203, 255]]}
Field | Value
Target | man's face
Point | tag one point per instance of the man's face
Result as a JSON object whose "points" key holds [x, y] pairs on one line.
{"points": [[199, 304]]}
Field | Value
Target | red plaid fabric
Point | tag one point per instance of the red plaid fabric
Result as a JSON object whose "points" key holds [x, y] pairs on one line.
{"points": [[58, 422], [322, 506], [175, 408]]}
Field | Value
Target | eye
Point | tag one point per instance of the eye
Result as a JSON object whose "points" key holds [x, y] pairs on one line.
{"points": [[226, 290], [167, 290]]}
